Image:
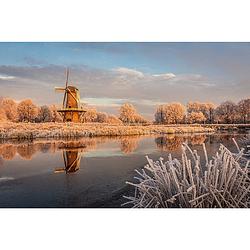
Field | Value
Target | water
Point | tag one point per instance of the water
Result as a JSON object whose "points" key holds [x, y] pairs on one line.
{"points": [[88, 172]]}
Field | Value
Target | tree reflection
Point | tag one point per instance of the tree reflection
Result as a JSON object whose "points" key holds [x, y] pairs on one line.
{"points": [[26, 151], [129, 144], [169, 143], [8, 151], [197, 139], [174, 142]]}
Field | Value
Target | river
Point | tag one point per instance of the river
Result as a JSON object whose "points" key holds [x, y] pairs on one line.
{"points": [[87, 172]]}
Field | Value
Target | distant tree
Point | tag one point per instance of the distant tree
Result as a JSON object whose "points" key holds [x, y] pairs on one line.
{"points": [[207, 109], [90, 115], [27, 111], [55, 115], [44, 114], [129, 115], [3, 117], [227, 112], [10, 108], [196, 117], [244, 110], [112, 119], [101, 117], [172, 113]]}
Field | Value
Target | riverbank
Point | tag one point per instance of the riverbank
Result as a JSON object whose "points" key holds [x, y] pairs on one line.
{"points": [[21, 131]]}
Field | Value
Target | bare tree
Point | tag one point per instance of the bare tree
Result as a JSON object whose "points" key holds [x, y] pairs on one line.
{"points": [[101, 117], [226, 112], [244, 110], [44, 114], [27, 111]]}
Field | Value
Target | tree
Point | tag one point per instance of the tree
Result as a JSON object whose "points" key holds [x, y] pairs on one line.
{"points": [[10, 108], [90, 115], [55, 115], [44, 114], [3, 117], [101, 117], [196, 117], [128, 114], [227, 112], [112, 119], [244, 110], [172, 113], [27, 111], [207, 109]]}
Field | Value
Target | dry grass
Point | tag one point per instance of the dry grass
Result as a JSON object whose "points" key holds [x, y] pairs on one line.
{"points": [[222, 182], [10, 130]]}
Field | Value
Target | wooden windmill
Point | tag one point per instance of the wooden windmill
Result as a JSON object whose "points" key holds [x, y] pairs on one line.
{"points": [[71, 110]]}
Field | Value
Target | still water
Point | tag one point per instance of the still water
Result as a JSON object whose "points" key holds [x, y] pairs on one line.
{"points": [[88, 172]]}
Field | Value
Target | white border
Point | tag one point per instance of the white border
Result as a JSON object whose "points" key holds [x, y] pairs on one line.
{"points": [[130, 20]]}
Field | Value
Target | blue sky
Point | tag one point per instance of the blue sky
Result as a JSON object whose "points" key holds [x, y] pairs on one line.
{"points": [[144, 74]]}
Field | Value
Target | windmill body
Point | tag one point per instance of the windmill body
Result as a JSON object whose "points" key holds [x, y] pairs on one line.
{"points": [[71, 110]]}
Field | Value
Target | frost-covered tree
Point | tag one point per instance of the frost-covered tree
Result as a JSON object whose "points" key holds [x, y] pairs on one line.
{"points": [[112, 119], [44, 114], [10, 108], [196, 117], [55, 115], [207, 109], [3, 117], [27, 111], [129, 115], [101, 117], [171, 113], [244, 110], [90, 115], [227, 112]]}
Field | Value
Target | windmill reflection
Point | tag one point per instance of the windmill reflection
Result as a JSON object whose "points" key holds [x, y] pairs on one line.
{"points": [[72, 159]]}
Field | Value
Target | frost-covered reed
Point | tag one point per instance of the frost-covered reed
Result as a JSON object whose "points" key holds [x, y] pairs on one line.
{"points": [[9, 130], [220, 182]]}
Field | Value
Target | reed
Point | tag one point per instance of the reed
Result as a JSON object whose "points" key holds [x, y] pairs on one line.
{"points": [[220, 182], [29, 131]]}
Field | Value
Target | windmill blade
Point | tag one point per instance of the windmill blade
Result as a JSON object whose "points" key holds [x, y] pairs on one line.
{"points": [[64, 98], [67, 77], [59, 89]]}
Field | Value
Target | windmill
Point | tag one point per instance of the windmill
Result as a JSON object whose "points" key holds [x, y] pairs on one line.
{"points": [[71, 110]]}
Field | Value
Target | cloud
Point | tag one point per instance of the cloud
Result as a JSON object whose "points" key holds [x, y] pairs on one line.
{"points": [[165, 76], [6, 77], [129, 72]]}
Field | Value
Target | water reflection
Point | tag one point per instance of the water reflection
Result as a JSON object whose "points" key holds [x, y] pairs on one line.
{"points": [[71, 160], [129, 144]]}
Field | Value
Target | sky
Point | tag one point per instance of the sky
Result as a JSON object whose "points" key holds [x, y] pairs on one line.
{"points": [[110, 74]]}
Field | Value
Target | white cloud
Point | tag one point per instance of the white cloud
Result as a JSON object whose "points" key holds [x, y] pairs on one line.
{"points": [[129, 72], [165, 76], [6, 77]]}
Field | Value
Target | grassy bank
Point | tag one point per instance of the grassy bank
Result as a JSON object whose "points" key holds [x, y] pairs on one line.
{"points": [[73, 130]]}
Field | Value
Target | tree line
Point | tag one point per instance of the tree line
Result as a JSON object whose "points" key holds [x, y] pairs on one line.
{"points": [[227, 112], [171, 113]]}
